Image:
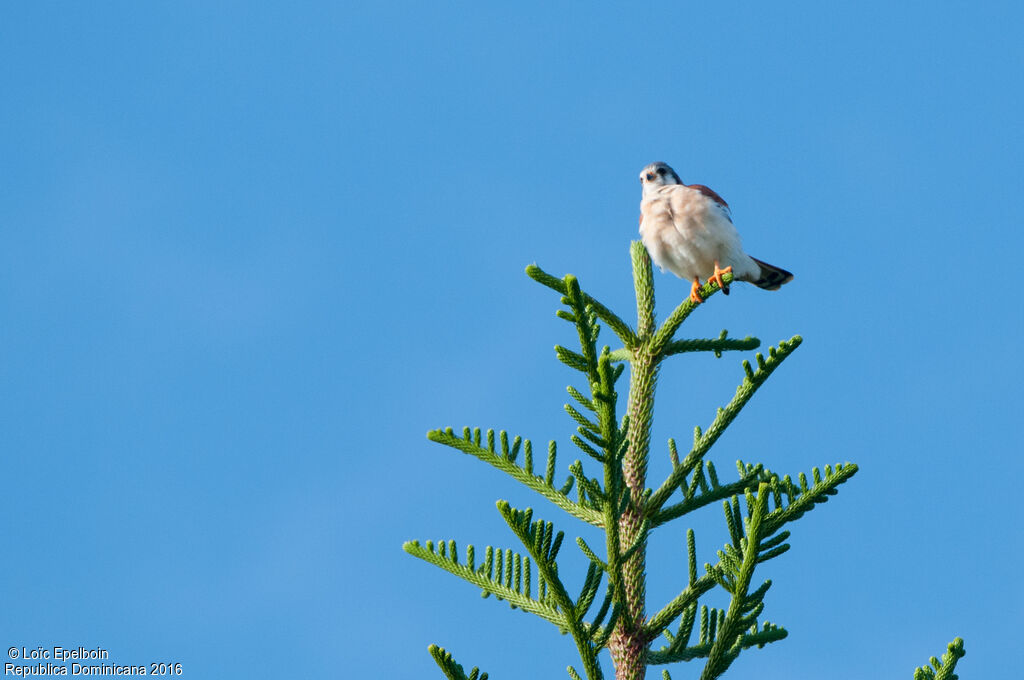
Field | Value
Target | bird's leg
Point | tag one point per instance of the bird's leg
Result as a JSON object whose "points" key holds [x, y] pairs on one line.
{"points": [[717, 277], [695, 291]]}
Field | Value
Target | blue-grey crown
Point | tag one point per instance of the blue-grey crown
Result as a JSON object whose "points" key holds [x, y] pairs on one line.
{"points": [[665, 170]]}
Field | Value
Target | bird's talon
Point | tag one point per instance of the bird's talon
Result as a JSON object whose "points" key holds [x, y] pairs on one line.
{"points": [[717, 278], [695, 292]]}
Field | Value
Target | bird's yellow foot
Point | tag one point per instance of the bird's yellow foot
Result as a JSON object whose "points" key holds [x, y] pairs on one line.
{"points": [[695, 291], [717, 278]]}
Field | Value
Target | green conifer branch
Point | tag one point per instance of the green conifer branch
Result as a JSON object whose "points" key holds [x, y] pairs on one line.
{"points": [[738, 572], [590, 491], [451, 669], [603, 440], [497, 576], [733, 571], [591, 583], [751, 382], [583, 401], [616, 575], [803, 499], [600, 634], [602, 611], [686, 602], [680, 603], [716, 345], [532, 537], [543, 485], [693, 500], [643, 282], [758, 638], [587, 448], [943, 669], [585, 423], [589, 553], [800, 501], [620, 327], [662, 339]]}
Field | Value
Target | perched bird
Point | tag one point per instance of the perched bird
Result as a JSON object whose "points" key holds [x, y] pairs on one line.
{"points": [[687, 230]]}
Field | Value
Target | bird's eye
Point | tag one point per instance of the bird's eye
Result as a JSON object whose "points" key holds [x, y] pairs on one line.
{"points": [[650, 176]]}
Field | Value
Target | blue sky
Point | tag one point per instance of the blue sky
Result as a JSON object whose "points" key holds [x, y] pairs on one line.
{"points": [[250, 254]]}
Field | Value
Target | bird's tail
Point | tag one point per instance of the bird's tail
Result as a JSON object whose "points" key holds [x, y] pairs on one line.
{"points": [[771, 277]]}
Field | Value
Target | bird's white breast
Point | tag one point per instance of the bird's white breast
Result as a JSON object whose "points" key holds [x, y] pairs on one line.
{"points": [[686, 232]]}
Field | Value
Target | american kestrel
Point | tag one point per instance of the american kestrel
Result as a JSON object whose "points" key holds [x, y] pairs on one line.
{"points": [[687, 230]]}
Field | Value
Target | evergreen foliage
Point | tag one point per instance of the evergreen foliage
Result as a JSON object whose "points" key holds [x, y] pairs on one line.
{"points": [[943, 670], [610, 609]]}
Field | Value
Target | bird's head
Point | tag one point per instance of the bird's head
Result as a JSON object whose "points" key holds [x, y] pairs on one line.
{"points": [[656, 175]]}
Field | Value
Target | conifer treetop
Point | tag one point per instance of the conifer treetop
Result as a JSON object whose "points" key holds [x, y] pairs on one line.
{"points": [[610, 609]]}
